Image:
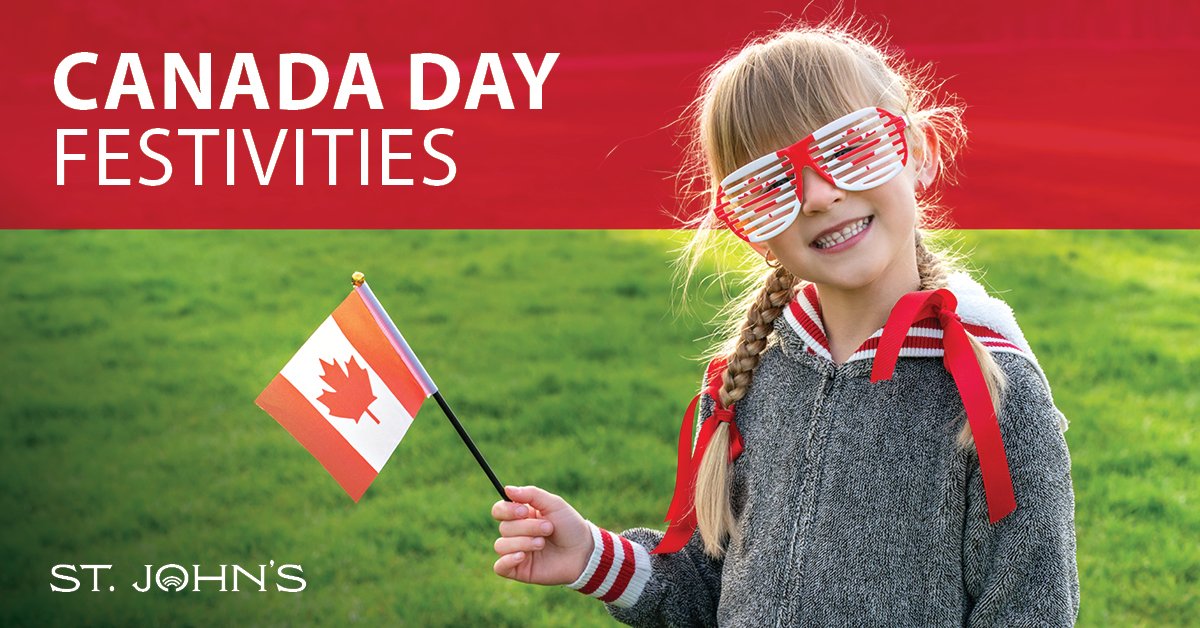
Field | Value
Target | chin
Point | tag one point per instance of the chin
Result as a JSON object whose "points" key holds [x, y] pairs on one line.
{"points": [[847, 278]]}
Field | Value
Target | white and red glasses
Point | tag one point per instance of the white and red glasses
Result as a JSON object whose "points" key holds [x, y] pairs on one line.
{"points": [[858, 151]]}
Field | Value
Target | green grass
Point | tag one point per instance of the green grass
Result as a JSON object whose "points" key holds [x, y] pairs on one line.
{"points": [[132, 359]]}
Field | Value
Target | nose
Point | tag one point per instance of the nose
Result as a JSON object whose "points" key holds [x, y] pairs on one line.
{"points": [[819, 195]]}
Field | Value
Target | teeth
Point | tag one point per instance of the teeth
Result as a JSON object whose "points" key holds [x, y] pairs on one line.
{"points": [[849, 231]]}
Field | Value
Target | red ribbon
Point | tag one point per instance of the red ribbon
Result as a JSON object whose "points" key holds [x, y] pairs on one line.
{"points": [[959, 359], [682, 512]]}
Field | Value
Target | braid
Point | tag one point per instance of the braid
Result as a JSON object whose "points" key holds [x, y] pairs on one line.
{"points": [[714, 513], [931, 267], [760, 319], [934, 271]]}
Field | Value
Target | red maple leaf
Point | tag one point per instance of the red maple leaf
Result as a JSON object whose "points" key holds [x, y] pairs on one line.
{"points": [[351, 395]]}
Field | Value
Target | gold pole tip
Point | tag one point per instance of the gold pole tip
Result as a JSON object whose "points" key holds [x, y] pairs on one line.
{"points": [[358, 278]]}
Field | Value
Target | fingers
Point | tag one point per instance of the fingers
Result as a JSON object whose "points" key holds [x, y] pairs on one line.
{"points": [[508, 511], [507, 565], [542, 500], [511, 544], [526, 527], [528, 501]]}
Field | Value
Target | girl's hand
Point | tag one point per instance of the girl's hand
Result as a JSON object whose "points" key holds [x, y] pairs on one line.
{"points": [[542, 539]]}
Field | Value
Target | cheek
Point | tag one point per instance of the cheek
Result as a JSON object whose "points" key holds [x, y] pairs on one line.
{"points": [[906, 216], [788, 245], [897, 206]]}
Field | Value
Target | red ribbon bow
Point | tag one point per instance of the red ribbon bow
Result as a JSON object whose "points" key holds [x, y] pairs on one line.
{"points": [[959, 359], [682, 512]]}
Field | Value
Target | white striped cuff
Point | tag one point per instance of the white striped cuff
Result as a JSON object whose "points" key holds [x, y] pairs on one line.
{"points": [[617, 571]]}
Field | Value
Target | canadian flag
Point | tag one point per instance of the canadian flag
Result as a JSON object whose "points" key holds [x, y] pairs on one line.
{"points": [[350, 393]]}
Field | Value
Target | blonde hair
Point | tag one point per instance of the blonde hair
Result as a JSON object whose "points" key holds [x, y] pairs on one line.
{"points": [[773, 91]]}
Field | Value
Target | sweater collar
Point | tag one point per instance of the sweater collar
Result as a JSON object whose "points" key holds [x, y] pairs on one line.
{"points": [[985, 317]]}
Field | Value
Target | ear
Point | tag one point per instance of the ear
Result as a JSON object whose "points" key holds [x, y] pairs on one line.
{"points": [[927, 161]]}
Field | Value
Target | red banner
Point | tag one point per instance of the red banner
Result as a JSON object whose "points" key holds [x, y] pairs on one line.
{"points": [[1078, 112]]}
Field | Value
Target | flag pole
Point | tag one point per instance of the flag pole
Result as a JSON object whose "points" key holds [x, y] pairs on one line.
{"points": [[470, 444], [358, 279]]}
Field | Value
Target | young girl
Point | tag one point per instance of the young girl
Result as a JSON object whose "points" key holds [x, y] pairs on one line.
{"points": [[877, 443]]}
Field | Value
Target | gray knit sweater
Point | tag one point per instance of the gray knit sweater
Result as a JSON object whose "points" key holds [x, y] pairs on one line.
{"points": [[854, 506]]}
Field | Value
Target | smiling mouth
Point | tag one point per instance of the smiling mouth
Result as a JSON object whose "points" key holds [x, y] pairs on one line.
{"points": [[847, 232]]}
